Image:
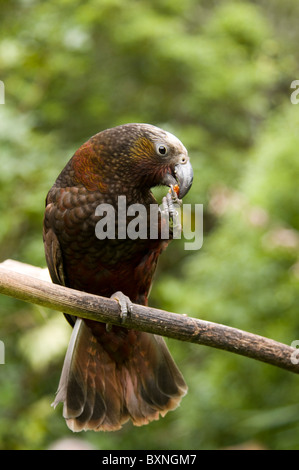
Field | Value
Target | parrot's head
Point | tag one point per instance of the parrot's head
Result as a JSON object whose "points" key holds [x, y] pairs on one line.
{"points": [[134, 156]]}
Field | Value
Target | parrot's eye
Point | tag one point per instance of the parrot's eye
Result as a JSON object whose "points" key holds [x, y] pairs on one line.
{"points": [[162, 149]]}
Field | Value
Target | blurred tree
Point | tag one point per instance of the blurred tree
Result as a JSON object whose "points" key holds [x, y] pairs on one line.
{"points": [[217, 74]]}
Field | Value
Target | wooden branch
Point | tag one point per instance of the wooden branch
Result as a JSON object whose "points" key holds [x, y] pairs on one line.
{"points": [[31, 284]]}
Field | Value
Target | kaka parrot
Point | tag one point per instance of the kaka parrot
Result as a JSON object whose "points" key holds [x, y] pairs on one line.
{"points": [[112, 374]]}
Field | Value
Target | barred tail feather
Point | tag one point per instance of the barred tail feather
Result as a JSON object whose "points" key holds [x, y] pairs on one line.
{"points": [[101, 394]]}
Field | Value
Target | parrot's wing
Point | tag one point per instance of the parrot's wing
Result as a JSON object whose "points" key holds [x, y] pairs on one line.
{"points": [[55, 263], [54, 258]]}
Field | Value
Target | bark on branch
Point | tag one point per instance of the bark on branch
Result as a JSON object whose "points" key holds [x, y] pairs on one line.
{"points": [[31, 284]]}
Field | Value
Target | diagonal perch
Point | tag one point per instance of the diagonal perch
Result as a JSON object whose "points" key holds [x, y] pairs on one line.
{"points": [[32, 284]]}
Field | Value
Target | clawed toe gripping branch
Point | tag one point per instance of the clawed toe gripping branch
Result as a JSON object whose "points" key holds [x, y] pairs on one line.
{"points": [[32, 284]]}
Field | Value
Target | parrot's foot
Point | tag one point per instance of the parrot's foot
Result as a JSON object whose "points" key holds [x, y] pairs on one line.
{"points": [[126, 307], [169, 202], [169, 210]]}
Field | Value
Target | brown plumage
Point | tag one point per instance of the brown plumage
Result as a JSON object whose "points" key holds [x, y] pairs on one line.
{"points": [[113, 374]]}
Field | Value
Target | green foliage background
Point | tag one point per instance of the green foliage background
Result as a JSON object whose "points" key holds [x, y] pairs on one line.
{"points": [[217, 74]]}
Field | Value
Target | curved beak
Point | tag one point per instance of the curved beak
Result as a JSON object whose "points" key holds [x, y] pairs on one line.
{"points": [[184, 177], [181, 175]]}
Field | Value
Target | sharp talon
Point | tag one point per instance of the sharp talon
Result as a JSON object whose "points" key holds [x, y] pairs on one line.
{"points": [[125, 303]]}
